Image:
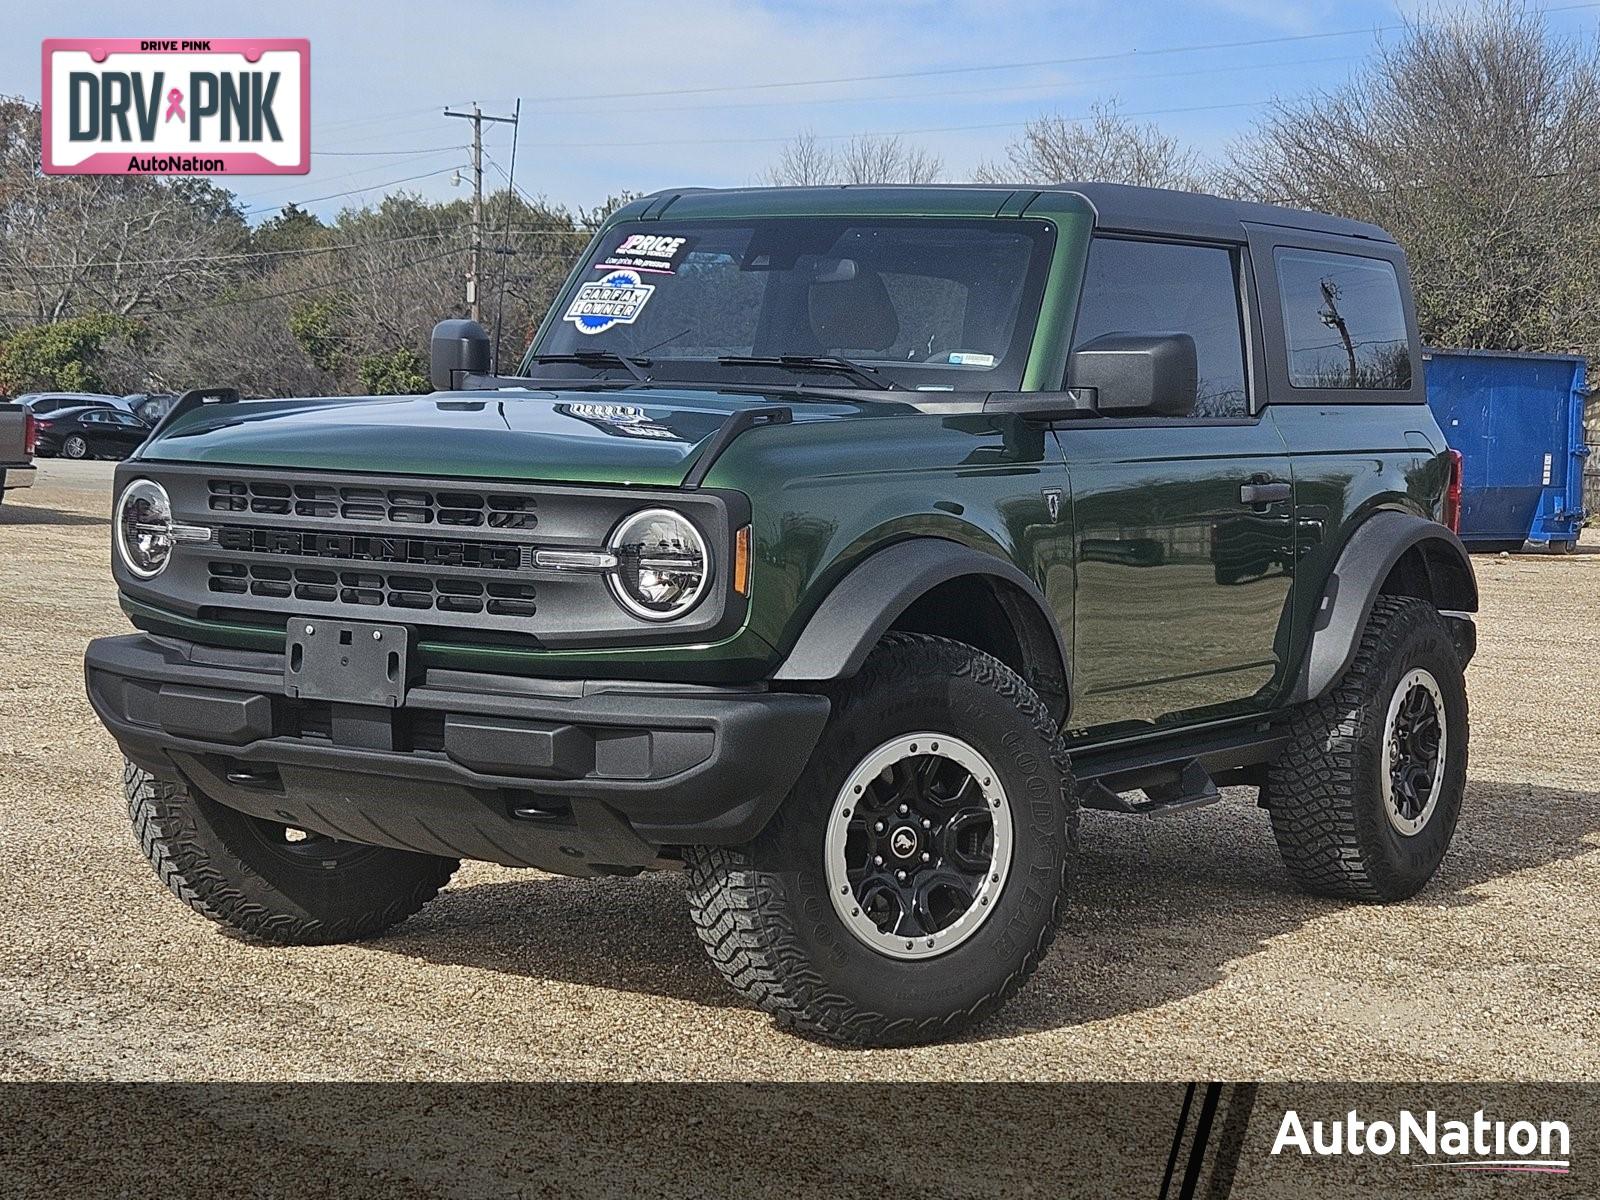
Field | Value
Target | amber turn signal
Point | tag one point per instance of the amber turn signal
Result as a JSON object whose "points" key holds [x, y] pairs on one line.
{"points": [[741, 561]]}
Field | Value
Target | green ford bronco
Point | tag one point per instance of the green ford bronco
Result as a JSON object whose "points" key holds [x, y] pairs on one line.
{"points": [[834, 546]]}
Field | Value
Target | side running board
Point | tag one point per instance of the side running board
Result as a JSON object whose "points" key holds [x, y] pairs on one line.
{"points": [[1191, 787]]}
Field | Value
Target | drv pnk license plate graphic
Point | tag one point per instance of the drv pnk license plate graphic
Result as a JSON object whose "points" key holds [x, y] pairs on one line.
{"points": [[169, 106]]}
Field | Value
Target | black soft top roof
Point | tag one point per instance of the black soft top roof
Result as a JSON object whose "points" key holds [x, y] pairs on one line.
{"points": [[1196, 214], [1118, 206]]}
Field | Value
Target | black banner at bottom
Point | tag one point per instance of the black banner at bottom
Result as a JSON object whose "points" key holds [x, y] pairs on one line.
{"points": [[912, 1140]]}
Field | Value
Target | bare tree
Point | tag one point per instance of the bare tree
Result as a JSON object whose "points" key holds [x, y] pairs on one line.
{"points": [[77, 244], [878, 159], [1105, 147], [809, 161], [1475, 140]]}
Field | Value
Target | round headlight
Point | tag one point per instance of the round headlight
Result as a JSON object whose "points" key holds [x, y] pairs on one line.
{"points": [[662, 566], [144, 528]]}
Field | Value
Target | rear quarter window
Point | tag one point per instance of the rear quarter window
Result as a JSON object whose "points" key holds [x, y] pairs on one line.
{"points": [[1344, 320]]}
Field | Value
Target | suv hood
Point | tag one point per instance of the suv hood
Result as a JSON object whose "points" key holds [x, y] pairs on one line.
{"points": [[647, 436]]}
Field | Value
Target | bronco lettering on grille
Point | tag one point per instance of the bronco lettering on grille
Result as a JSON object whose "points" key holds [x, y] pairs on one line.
{"points": [[434, 552]]}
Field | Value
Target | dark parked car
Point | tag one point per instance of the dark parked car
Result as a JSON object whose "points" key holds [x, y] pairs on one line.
{"points": [[149, 407], [90, 433], [41, 403]]}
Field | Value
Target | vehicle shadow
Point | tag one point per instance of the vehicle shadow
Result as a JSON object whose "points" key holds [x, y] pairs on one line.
{"points": [[12, 513], [1161, 908]]}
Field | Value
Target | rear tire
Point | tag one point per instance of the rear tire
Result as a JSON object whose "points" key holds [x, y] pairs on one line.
{"points": [[1352, 821], [853, 919], [75, 447], [254, 878]]}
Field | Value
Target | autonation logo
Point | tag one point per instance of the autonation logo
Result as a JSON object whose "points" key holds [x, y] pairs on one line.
{"points": [[1478, 1144]]}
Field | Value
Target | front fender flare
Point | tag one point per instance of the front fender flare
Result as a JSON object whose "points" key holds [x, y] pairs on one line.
{"points": [[1357, 579], [855, 615]]}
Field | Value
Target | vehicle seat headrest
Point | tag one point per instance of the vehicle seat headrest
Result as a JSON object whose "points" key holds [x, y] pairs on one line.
{"points": [[854, 313]]}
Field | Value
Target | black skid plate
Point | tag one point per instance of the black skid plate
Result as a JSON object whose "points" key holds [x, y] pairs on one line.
{"points": [[349, 662]]}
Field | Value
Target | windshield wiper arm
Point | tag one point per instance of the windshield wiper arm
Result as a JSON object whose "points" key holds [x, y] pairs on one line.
{"points": [[599, 358], [811, 362]]}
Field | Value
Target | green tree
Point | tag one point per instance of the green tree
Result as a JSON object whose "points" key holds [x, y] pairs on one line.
{"points": [[318, 325], [65, 355], [394, 373]]}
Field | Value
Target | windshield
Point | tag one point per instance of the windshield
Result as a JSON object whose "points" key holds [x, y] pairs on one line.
{"points": [[916, 303]]}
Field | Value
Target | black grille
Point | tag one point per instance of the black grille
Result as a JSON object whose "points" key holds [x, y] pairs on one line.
{"points": [[372, 589], [372, 547], [455, 559], [461, 508]]}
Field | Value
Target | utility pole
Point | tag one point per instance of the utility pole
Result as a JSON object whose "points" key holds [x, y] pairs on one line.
{"points": [[475, 266]]}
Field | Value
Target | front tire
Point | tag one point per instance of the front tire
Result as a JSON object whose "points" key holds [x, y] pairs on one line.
{"points": [[1366, 797], [914, 877], [265, 883]]}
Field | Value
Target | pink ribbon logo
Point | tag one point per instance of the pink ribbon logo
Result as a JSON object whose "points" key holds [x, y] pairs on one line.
{"points": [[175, 105]]}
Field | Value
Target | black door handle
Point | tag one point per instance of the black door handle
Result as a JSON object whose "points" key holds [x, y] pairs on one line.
{"points": [[1264, 493]]}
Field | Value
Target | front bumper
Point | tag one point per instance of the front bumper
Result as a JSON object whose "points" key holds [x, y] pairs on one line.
{"points": [[576, 776]]}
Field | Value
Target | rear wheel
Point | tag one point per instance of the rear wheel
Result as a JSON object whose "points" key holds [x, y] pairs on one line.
{"points": [[913, 878], [271, 882], [1365, 798], [75, 447]]}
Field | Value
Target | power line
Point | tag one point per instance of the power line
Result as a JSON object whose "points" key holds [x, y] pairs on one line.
{"points": [[1076, 60], [986, 91], [828, 137], [381, 118], [247, 255], [312, 287], [353, 191], [241, 255], [418, 153], [349, 174]]}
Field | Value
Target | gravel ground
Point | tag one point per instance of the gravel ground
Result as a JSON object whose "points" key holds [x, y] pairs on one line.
{"points": [[1187, 954]]}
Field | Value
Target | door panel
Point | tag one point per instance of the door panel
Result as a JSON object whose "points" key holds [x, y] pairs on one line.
{"points": [[1182, 586], [1183, 580]]}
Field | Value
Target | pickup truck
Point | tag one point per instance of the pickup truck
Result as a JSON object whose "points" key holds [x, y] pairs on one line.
{"points": [[833, 547], [17, 437]]}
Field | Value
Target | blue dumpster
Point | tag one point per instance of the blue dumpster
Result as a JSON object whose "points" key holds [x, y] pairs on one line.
{"points": [[1517, 420]]}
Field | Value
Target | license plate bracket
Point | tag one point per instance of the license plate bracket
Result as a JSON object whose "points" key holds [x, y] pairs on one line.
{"points": [[347, 662]]}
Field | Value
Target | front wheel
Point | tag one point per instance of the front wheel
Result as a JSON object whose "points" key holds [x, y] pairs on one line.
{"points": [[914, 877], [1365, 798], [270, 882]]}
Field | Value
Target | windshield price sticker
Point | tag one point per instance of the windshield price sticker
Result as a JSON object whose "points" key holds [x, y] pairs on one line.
{"points": [[196, 106], [651, 252], [614, 299]]}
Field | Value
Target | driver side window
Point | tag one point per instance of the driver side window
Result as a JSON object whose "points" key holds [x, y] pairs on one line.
{"points": [[1137, 287]]}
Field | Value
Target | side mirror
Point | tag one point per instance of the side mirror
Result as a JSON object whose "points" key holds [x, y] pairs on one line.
{"points": [[1138, 374], [456, 349]]}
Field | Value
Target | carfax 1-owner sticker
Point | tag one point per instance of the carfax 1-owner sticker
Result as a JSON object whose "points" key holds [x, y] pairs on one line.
{"points": [[616, 298], [177, 106]]}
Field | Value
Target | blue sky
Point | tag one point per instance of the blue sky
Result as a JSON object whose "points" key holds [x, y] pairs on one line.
{"points": [[382, 72]]}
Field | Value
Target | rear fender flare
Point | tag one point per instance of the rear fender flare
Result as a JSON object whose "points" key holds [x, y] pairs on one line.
{"points": [[1357, 580]]}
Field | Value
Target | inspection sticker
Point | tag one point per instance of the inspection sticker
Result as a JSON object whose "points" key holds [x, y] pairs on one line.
{"points": [[616, 298]]}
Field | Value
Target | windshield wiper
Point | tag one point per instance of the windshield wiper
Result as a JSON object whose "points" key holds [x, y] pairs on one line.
{"points": [[811, 362], [599, 358]]}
